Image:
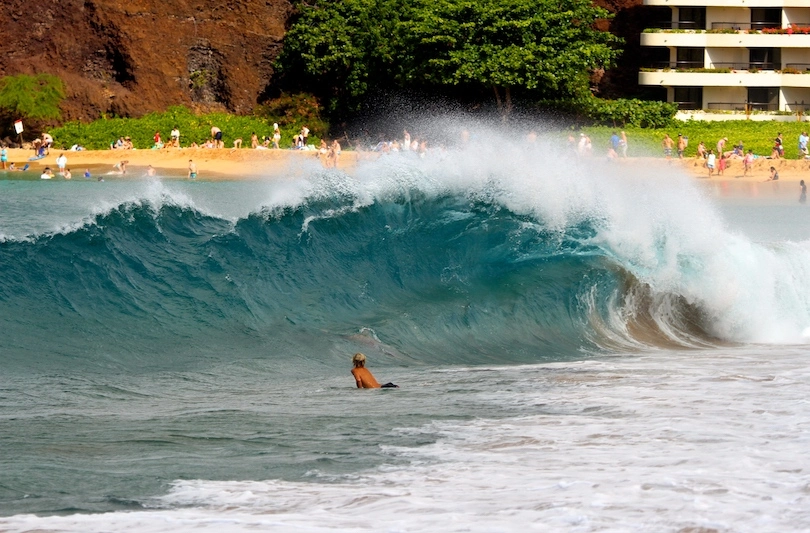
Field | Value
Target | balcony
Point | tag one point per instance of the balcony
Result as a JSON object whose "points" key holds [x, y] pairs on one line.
{"points": [[725, 38], [721, 77], [728, 3]]}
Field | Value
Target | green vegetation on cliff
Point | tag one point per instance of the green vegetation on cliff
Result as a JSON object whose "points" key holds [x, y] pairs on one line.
{"points": [[35, 98]]}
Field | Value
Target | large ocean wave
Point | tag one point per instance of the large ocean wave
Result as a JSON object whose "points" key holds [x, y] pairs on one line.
{"points": [[504, 256]]}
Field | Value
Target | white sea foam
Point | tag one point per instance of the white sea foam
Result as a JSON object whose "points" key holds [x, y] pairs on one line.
{"points": [[667, 441]]}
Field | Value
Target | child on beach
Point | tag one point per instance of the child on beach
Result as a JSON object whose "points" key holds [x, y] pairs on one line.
{"points": [[774, 175], [710, 162], [748, 162], [721, 165]]}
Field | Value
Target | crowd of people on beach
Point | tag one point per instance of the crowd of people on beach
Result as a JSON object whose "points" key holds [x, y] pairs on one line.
{"points": [[718, 158]]}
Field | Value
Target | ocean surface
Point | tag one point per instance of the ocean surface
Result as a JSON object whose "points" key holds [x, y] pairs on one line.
{"points": [[581, 347]]}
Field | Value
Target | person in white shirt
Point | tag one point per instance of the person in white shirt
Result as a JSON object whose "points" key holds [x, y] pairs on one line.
{"points": [[710, 162]]}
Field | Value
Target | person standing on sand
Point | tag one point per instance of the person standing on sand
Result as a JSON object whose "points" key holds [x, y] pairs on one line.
{"points": [[254, 140], [721, 144], [192, 170], [216, 134], [176, 137], [803, 140], [710, 162], [3, 157], [681, 146], [333, 155], [363, 377], [701, 151], [803, 195], [748, 162], [667, 144], [721, 164], [623, 144]]}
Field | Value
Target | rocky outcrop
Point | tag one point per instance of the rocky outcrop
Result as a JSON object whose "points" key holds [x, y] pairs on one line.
{"points": [[131, 57]]}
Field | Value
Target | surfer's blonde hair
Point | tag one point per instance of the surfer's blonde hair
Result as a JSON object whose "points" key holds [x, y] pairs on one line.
{"points": [[359, 359]]}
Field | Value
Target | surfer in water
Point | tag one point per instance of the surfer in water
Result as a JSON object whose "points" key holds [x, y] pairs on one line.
{"points": [[364, 378]]}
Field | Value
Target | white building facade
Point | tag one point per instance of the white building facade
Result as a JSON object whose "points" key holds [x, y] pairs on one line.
{"points": [[731, 54]]}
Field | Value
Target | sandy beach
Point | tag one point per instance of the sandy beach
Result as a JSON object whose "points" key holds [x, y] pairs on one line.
{"points": [[212, 164], [230, 164]]}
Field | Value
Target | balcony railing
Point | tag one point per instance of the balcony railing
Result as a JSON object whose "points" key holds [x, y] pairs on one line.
{"points": [[731, 27], [748, 65], [676, 65], [739, 26], [679, 25], [687, 105], [741, 106], [798, 66], [723, 66]]}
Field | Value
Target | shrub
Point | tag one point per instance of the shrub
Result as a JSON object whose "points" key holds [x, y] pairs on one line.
{"points": [[98, 135], [634, 112], [31, 97]]}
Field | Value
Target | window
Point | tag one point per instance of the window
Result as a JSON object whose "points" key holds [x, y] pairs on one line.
{"points": [[765, 58], [690, 58], [763, 98], [689, 97], [763, 17], [692, 18]]}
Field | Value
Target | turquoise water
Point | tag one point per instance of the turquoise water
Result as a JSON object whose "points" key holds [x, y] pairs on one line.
{"points": [[176, 355]]}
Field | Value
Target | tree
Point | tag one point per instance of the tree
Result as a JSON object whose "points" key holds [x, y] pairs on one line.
{"points": [[339, 50], [342, 50], [546, 47], [34, 97]]}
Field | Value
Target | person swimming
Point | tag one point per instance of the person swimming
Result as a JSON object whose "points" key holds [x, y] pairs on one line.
{"points": [[364, 378]]}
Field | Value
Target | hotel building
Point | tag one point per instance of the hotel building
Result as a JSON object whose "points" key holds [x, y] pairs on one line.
{"points": [[729, 54]]}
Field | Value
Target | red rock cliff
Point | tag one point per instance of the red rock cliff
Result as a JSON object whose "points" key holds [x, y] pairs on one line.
{"points": [[132, 57]]}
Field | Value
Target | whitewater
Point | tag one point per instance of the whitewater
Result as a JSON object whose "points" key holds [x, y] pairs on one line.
{"points": [[581, 346]]}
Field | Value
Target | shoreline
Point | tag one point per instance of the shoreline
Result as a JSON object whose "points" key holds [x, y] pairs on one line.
{"points": [[212, 163], [246, 164]]}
